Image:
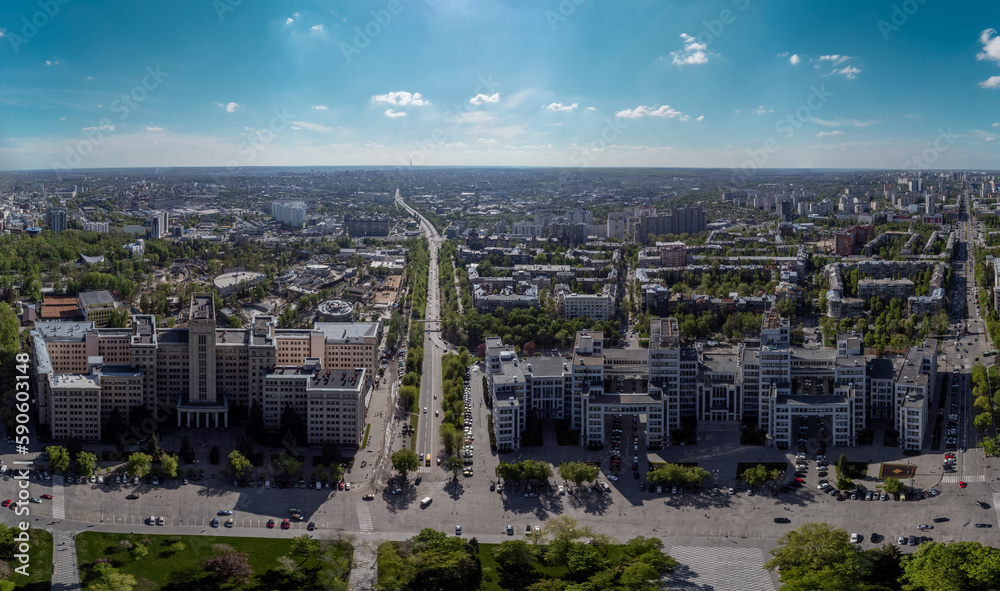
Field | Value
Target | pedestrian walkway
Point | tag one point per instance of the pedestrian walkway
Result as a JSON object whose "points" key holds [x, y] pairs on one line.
{"points": [[364, 518], [65, 577], [721, 569], [364, 572], [59, 500]]}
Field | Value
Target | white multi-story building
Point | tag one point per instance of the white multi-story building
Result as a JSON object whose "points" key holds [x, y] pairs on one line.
{"points": [[767, 381], [291, 214], [95, 227]]}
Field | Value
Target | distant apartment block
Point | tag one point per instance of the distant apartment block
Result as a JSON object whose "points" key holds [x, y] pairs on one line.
{"points": [[672, 254], [290, 214], [55, 217], [159, 225], [101, 227], [359, 226]]}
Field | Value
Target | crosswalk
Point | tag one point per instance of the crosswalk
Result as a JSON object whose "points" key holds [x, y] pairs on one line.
{"points": [[59, 502], [364, 519], [954, 478], [65, 577], [721, 569]]}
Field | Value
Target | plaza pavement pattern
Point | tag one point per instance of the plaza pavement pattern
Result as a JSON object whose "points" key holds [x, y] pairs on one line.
{"points": [[66, 576], [719, 569]]}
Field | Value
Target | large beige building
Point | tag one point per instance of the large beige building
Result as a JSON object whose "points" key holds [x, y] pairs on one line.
{"points": [[82, 373]]}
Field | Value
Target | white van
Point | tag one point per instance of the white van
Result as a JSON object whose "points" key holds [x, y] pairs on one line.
{"points": [[319, 485], [425, 501]]}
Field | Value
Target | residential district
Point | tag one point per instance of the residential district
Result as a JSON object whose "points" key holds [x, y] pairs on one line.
{"points": [[611, 354]]}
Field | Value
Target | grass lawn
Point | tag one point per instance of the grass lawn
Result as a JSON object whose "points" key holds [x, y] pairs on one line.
{"points": [[40, 568], [164, 569]]}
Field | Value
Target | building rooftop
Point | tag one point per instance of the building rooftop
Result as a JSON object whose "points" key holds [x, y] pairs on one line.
{"points": [[544, 367], [347, 332], [235, 278], [97, 298], [63, 331], [75, 380]]}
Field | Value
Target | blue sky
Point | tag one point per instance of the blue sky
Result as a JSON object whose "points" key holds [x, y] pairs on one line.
{"points": [[726, 83]]}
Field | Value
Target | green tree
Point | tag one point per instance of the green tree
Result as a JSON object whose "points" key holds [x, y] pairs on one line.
{"points": [[453, 463], [238, 463], [85, 463], [516, 561], [959, 566], [818, 556], [405, 461], [58, 458], [983, 421], [578, 472], [168, 465], [893, 486], [305, 546], [138, 464], [110, 579]]}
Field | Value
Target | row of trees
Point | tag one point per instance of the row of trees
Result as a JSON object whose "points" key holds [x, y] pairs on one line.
{"points": [[819, 556], [431, 560], [677, 474], [524, 470]]}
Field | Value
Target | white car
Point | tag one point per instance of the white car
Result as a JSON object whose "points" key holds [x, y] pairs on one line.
{"points": [[855, 538]]}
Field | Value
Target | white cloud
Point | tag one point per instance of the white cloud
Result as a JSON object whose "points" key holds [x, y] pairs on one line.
{"points": [[312, 126], [990, 139], [319, 107], [50, 63], [991, 82], [849, 72], [762, 110], [561, 107], [289, 20], [317, 28], [794, 59], [489, 141], [154, 129], [394, 114], [693, 53], [230, 107], [991, 46], [700, 118], [108, 128], [401, 98], [829, 133], [996, 125], [842, 122], [3, 32], [479, 99], [591, 109], [644, 111], [783, 54], [834, 59], [62, 118], [914, 117]]}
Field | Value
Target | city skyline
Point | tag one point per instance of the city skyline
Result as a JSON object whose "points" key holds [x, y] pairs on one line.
{"points": [[725, 84]]}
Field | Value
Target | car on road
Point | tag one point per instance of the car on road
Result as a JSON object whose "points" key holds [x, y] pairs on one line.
{"points": [[510, 530], [913, 540], [225, 512], [782, 520], [311, 526], [458, 530], [368, 497], [132, 497], [270, 524], [285, 523], [934, 492], [215, 522], [229, 522], [49, 497], [855, 538], [984, 525], [7, 503], [901, 541], [34, 500], [983, 505], [961, 484], [925, 526], [940, 519], [160, 521]]}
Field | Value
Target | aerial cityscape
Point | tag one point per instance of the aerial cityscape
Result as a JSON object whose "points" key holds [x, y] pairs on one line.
{"points": [[557, 296]]}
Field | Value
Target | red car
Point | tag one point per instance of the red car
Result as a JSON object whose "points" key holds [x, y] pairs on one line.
{"points": [[285, 524], [961, 484], [800, 480], [341, 485], [49, 497], [7, 503], [270, 524]]}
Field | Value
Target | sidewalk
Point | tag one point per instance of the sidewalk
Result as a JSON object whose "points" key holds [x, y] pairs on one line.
{"points": [[65, 576]]}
